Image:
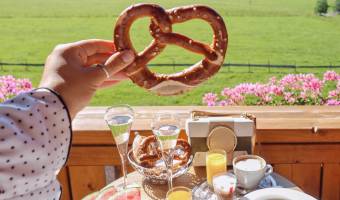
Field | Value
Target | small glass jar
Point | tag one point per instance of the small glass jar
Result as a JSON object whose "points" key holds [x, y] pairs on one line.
{"points": [[224, 185]]}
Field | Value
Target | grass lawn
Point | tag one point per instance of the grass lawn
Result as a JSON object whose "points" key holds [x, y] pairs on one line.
{"points": [[282, 31]]}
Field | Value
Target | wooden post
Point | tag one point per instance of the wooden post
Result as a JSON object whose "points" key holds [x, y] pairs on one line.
{"points": [[26, 66], [173, 64], [249, 71]]}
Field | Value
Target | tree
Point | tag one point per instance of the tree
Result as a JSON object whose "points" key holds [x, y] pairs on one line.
{"points": [[321, 7], [337, 6]]}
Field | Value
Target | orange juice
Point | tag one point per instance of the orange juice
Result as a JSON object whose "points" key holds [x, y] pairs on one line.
{"points": [[179, 193], [216, 162]]}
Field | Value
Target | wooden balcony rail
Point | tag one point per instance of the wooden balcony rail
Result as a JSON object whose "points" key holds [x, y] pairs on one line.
{"points": [[302, 143]]}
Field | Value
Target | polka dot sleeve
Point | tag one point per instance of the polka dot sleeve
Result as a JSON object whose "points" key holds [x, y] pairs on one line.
{"points": [[35, 137]]}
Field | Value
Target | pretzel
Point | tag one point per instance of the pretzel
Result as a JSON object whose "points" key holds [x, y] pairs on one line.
{"points": [[161, 30], [186, 148], [149, 152]]}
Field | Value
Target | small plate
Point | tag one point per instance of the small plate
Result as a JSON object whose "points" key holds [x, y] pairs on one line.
{"points": [[202, 191], [278, 193]]}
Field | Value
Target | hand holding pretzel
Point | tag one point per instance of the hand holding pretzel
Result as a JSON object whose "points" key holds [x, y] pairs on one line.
{"points": [[161, 31]]}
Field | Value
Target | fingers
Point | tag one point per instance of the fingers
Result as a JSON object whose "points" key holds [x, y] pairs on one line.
{"points": [[117, 78], [95, 46], [107, 84], [116, 63], [99, 58]]}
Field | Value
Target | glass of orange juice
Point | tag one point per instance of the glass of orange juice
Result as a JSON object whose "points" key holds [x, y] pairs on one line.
{"points": [[179, 193], [216, 162]]}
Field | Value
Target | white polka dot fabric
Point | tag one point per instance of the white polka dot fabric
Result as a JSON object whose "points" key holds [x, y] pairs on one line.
{"points": [[35, 136]]}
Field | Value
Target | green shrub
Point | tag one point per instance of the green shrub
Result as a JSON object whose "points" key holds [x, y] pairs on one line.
{"points": [[321, 7], [337, 6]]}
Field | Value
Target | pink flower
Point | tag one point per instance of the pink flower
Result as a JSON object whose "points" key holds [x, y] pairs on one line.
{"points": [[333, 93], [2, 97], [10, 87], [276, 90], [223, 103], [211, 103], [303, 95], [287, 95], [330, 76], [272, 80], [292, 89], [267, 99], [333, 102], [210, 99], [225, 92], [314, 85], [291, 100]]}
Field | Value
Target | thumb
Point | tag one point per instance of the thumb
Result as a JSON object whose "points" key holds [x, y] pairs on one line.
{"points": [[118, 61]]}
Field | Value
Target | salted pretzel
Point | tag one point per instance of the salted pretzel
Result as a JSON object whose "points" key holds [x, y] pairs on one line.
{"points": [[149, 153], [161, 30], [186, 148]]}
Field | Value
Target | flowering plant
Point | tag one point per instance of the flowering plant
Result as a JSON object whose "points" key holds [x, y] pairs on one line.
{"points": [[292, 89], [10, 87]]}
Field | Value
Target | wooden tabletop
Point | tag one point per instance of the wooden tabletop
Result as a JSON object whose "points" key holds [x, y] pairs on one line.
{"points": [[149, 191], [195, 176]]}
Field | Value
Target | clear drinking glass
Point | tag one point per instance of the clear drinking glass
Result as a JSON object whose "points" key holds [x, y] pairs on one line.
{"points": [[224, 185], [119, 118], [165, 127], [216, 162]]}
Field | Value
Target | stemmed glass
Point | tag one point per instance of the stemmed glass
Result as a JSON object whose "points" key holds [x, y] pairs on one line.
{"points": [[119, 118], [165, 127]]}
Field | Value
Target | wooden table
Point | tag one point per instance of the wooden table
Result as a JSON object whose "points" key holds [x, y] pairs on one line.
{"points": [[153, 191], [285, 136], [149, 191]]}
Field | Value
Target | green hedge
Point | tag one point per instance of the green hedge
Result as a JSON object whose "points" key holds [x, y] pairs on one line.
{"points": [[337, 6], [321, 7]]}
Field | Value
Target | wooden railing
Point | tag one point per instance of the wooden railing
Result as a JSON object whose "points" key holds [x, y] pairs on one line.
{"points": [[303, 144]]}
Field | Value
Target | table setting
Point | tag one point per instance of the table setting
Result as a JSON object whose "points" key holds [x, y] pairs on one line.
{"points": [[205, 165]]}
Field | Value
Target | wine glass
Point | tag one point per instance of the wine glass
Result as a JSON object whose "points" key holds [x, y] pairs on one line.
{"points": [[119, 118], [165, 127]]}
